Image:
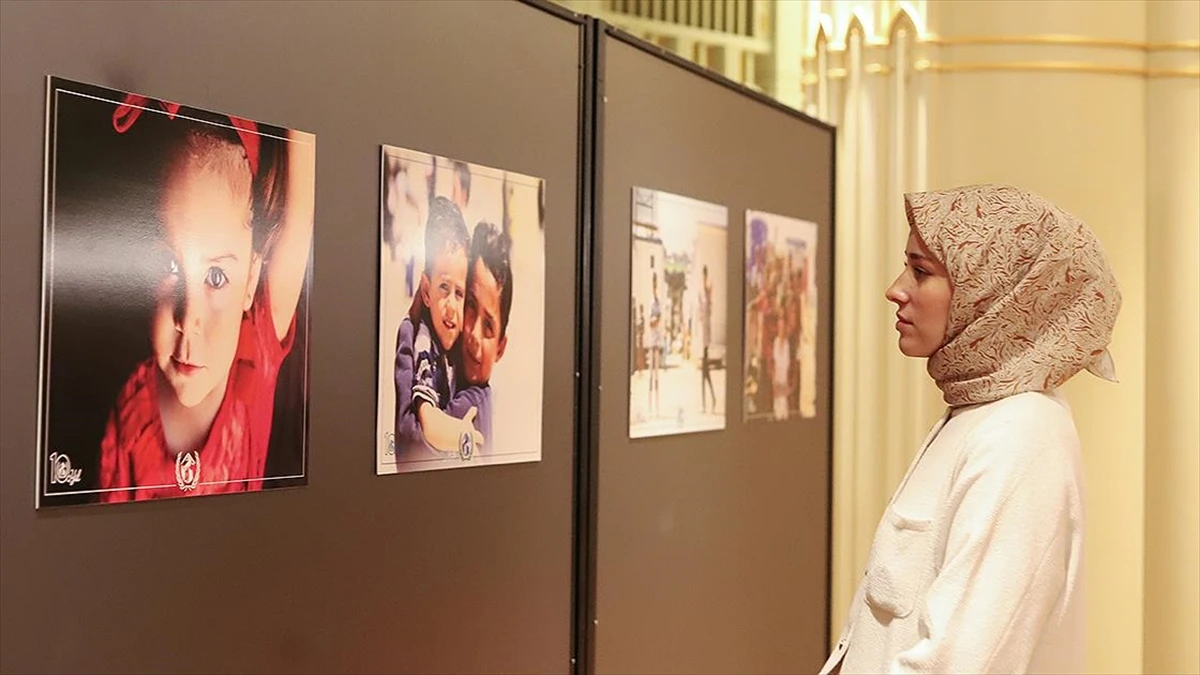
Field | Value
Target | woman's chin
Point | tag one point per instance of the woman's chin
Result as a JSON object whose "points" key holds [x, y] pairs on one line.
{"points": [[912, 348]]}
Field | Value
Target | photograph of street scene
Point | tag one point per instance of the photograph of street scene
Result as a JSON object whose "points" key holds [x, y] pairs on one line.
{"points": [[677, 314]]}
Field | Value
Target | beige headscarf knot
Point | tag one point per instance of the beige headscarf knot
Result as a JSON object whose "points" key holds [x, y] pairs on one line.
{"points": [[1033, 302]]}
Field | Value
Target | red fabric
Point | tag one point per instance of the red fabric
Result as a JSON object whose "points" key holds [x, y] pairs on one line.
{"points": [[248, 132], [134, 105], [131, 109], [134, 453]]}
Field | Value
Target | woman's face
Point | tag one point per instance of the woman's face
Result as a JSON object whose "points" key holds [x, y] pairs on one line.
{"points": [[922, 297]]}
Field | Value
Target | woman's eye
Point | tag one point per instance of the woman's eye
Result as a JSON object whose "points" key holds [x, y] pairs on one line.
{"points": [[216, 278], [917, 271]]}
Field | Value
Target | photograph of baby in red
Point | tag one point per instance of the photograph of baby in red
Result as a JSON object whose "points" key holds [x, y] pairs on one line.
{"points": [[175, 296]]}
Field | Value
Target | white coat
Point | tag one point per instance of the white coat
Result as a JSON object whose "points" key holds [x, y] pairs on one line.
{"points": [[977, 565]]}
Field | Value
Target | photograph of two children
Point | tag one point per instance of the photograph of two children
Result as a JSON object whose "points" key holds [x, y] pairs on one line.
{"points": [[461, 314]]}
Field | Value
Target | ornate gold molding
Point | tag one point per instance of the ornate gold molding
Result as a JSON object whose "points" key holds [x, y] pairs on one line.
{"points": [[1036, 40], [1053, 67], [1027, 66], [1065, 41], [1041, 40], [1173, 72], [1176, 46], [925, 66]]}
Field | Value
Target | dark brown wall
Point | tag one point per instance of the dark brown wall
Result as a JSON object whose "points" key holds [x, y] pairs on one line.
{"points": [[453, 571], [713, 547]]}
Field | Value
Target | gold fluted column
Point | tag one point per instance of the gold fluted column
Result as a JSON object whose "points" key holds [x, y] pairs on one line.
{"points": [[1172, 585], [1050, 96], [861, 77], [788, 52]]}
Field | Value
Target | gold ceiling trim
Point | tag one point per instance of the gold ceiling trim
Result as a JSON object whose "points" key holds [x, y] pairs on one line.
{"points": [[1035, 40], [812, 79], [1045, 40], [1028, 66], [1053, 67], [1176, 46], [1173, 72]]}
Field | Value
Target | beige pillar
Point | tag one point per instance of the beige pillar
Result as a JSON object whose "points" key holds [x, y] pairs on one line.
{"points": [[787, 51], [1018, 102], [862, 81], [1172, 585]]}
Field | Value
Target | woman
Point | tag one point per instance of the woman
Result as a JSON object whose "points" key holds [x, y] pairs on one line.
{"points": [[977, 565]]}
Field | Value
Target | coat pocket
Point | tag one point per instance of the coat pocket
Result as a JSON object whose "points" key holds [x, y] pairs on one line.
{"points": [[901, 564]]}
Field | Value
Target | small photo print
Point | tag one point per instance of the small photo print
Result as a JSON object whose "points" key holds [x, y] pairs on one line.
{"points": [[677, 310], [176, 273], [781, 318], [461, 314]]}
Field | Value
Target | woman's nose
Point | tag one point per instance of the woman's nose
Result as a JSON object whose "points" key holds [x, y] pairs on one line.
{"points": [[896, 294]]}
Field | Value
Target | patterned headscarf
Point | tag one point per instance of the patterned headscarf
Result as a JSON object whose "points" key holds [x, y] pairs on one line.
{"points": [[1033, 301]]}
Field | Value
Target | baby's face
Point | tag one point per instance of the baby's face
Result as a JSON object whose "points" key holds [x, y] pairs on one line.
{"points": [[208, 277], [482, 343], [445, 291]]}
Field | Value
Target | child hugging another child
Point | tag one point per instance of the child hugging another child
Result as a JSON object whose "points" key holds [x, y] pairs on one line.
{"points": [[485, 333], [234, 217], [455, 333], [424, 370]]}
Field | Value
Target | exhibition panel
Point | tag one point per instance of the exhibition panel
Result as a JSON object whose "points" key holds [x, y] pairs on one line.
{"points": [[303, 260], [340, 569], [712, 527]]}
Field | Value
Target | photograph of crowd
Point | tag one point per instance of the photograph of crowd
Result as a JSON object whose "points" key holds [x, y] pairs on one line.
{"points": [[781, 317]]}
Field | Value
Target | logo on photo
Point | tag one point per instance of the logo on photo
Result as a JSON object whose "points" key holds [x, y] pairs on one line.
{"points": [[61, 472], [187, 470], [466, 446], [390, 438]]}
